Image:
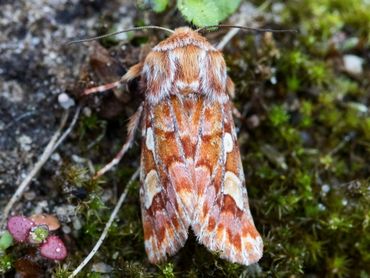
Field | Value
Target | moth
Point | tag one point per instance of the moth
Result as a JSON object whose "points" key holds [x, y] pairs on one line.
{"points": [[191, 171]]}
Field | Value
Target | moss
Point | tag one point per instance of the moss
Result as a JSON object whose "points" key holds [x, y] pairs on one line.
{"points": [[6, 263], [306, 162], [167, 271], [60, 272], [278, 116]]}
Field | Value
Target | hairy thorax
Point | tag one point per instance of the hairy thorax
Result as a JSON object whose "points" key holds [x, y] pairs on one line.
{"points": [[184, 65]]}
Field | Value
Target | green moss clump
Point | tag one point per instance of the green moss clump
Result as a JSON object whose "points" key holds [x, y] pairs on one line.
{"points": [[6, 263], [306, 162]]}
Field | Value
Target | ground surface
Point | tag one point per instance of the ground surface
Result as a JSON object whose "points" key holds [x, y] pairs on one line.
{"points": [[305, 135]]}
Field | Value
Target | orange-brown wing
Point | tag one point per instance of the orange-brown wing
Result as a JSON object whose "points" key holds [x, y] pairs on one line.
{"points": [[222, 220], [166, 186]]}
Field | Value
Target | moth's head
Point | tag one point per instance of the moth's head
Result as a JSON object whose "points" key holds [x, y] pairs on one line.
{"points": [[186, 32], [182, 37]]}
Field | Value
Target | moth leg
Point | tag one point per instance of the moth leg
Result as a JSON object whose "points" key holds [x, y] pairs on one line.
{"points": [[132, 73], [131, 129], [236, 113], [230, 87]]}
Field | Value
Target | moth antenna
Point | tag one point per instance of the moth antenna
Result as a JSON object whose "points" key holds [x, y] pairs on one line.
{"points": [[247, 29], [122, 31]]}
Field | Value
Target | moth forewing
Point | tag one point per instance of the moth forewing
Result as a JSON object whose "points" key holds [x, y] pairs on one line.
{"points": [[192, 174]]}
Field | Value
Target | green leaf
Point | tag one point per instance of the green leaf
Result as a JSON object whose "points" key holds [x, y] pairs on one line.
{"points": [[6, 240], [206, 12], [159, 5], [227, 7]]}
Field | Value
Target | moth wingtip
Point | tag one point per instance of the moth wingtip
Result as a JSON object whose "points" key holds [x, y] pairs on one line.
{"points": [[250, 252], [154, 260], [257, 250]]}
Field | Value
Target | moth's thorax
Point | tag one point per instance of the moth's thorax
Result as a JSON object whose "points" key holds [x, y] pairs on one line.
{"points": [[184, 64]]}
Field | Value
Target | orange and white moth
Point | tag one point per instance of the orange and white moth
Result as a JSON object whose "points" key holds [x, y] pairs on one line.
{"points": [[191, 170]]}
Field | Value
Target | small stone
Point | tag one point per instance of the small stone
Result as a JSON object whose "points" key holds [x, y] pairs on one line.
{"points": [[78, 159], [107, 195], [353, 64], [40, 207], [360, 107], [13, 92], [101, 268], [25, 142], [66, 229], [321, 207], [29, 195], [253, 121], [87, 111], [325, 188], [65, 101], [277, 7], [77, 224], [56, 157], [115, 255], [65, 212]]}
